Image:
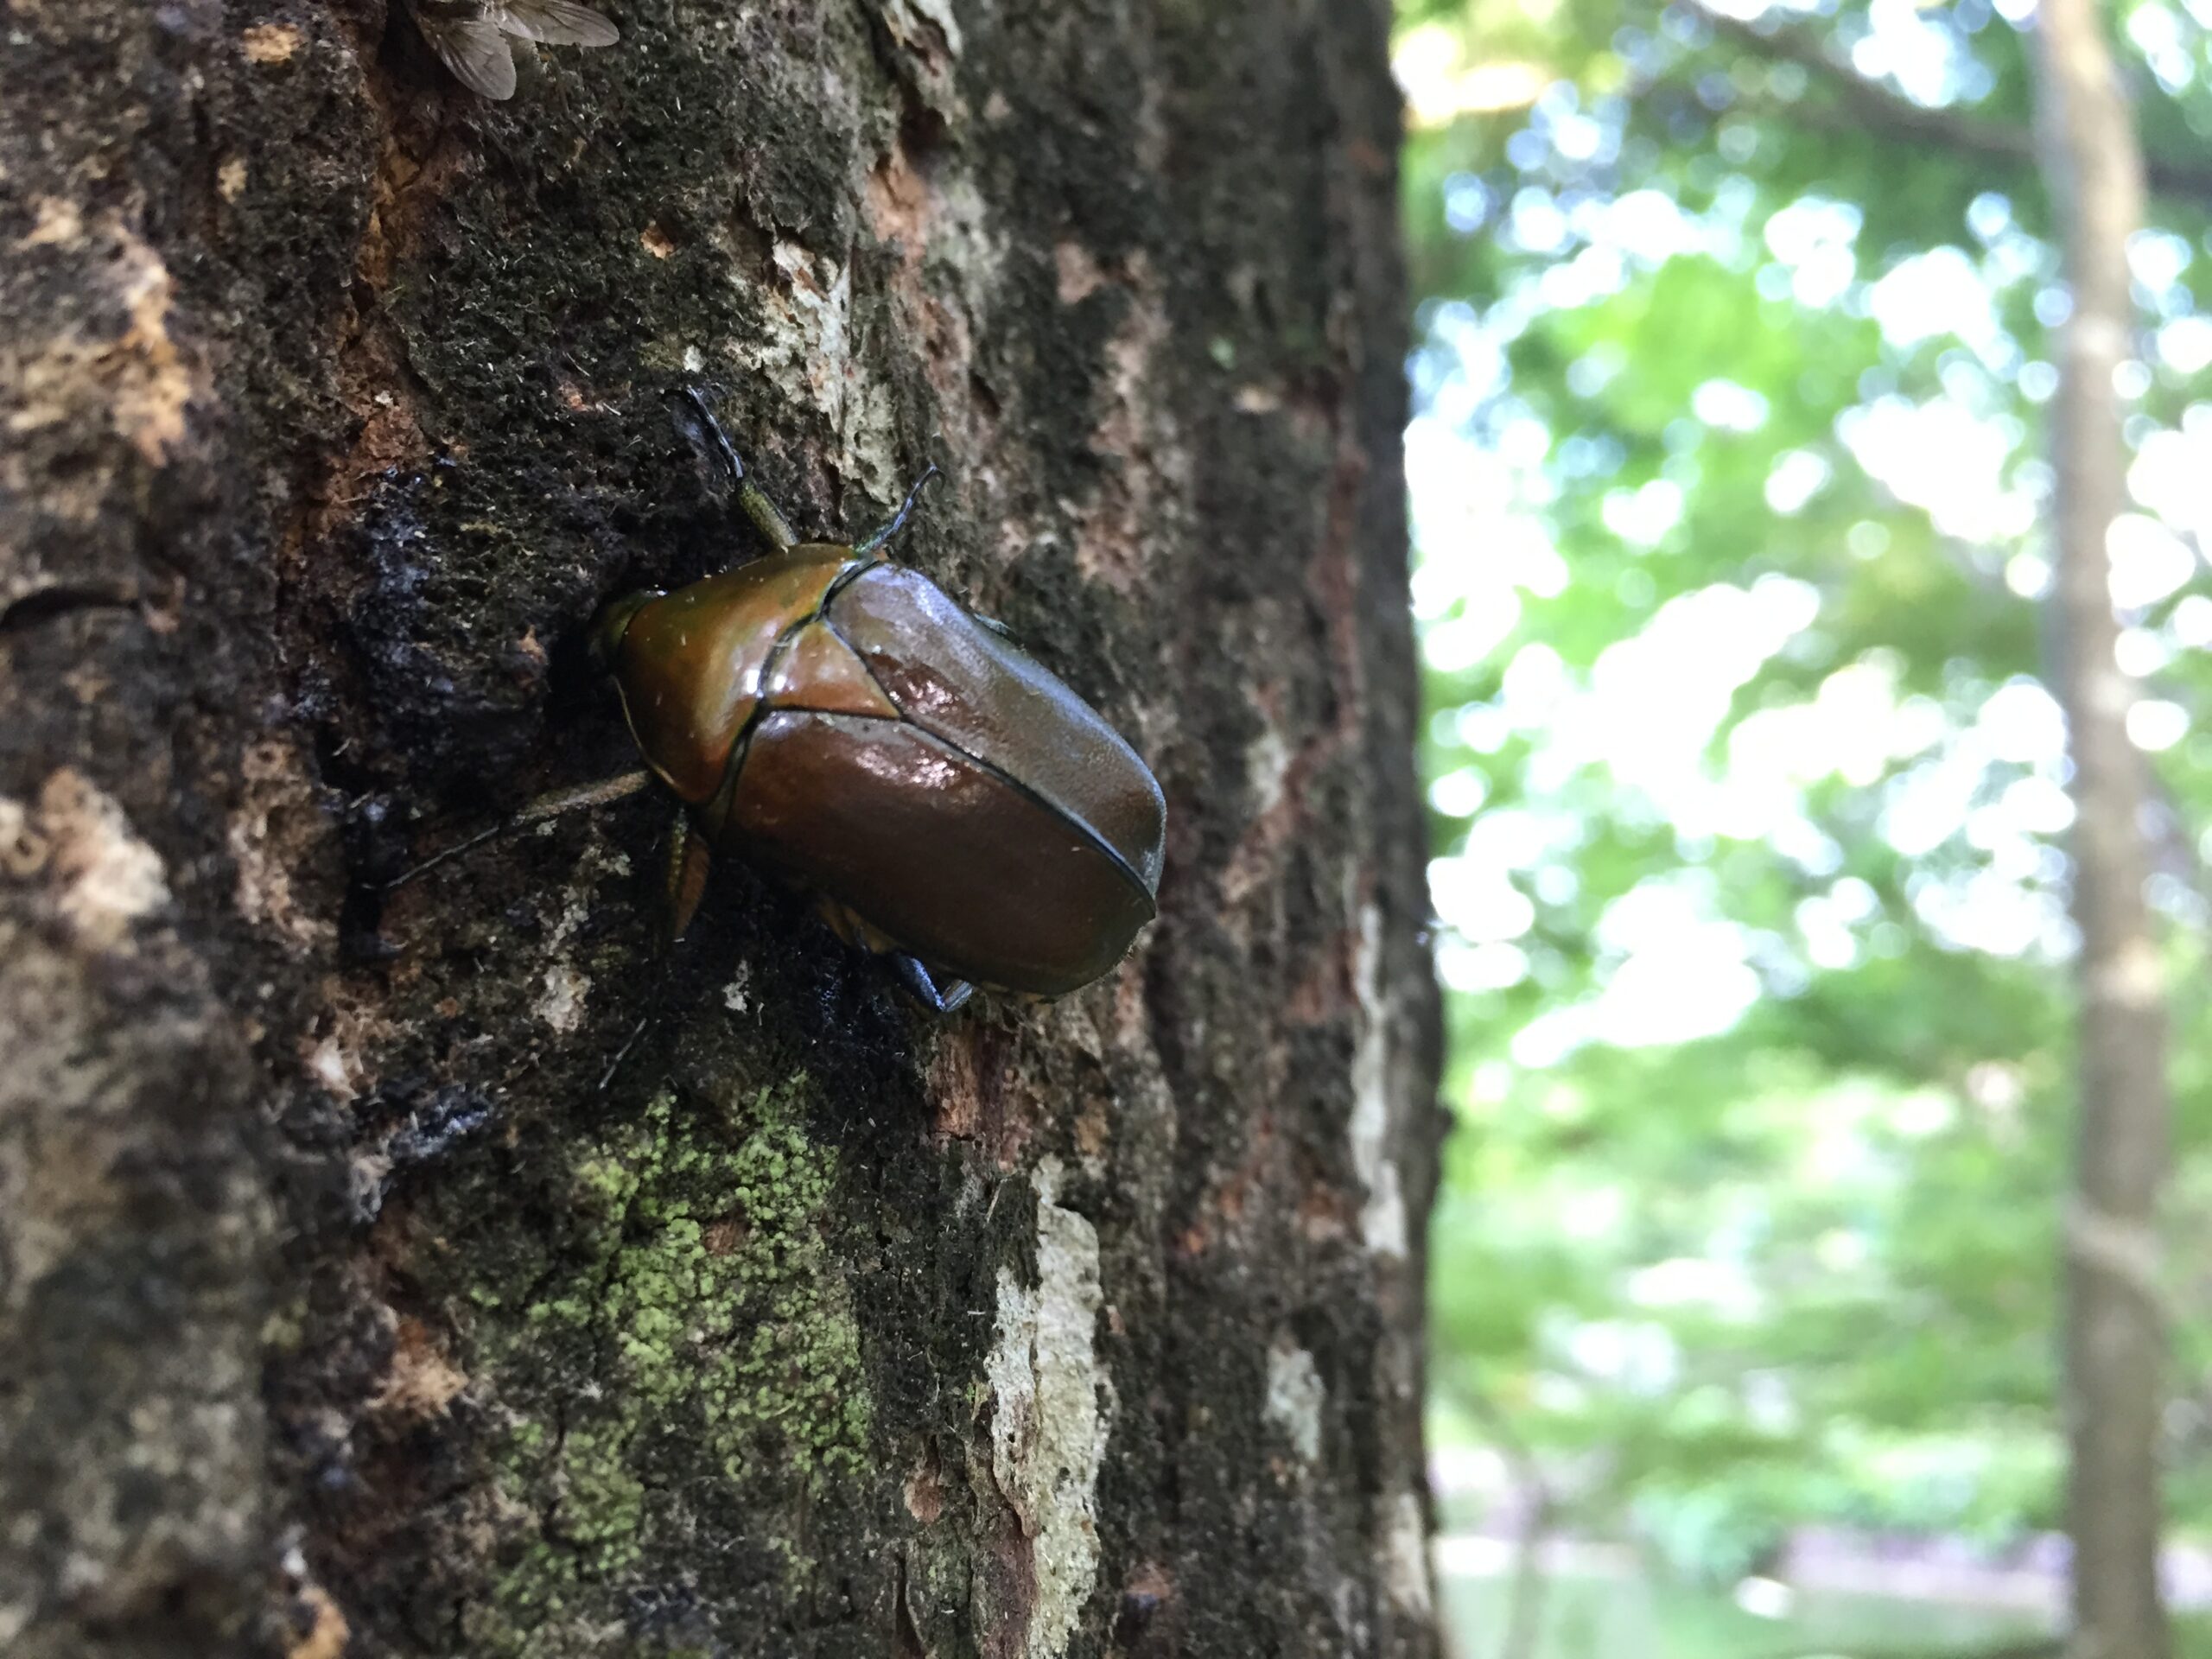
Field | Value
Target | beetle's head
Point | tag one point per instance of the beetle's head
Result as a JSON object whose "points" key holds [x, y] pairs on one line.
{"points": [[613, 622]]}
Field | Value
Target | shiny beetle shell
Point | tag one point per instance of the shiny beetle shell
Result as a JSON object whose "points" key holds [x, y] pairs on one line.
{"points": [[843, 721]]}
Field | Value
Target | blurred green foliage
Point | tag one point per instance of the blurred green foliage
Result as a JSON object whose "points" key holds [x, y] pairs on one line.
{"points": [[1730, 487], [1603, 1619]]}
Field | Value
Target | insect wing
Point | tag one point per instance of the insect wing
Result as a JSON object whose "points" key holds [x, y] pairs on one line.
{"points": [[973, 875], [470, 44], [968, 686], [557, 23]]}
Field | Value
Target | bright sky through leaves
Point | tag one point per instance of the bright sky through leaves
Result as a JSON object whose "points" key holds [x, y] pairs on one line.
{"points": [[1649, 711]]}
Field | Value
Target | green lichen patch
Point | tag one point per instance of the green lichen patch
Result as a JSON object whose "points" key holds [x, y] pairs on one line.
{"points": [[694, 1304]]}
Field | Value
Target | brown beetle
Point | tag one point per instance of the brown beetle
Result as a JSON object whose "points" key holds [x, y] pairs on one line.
{"points": [[844, 722]]}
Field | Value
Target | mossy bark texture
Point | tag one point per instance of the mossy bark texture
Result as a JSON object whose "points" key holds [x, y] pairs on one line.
{"points": [[454, 1271]]}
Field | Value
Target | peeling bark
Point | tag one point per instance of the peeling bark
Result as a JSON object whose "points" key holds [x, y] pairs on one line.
{"points": [[342, 1310]]}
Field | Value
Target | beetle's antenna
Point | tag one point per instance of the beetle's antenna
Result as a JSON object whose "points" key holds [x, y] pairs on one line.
{"points": [[535, 811], [906, 511], [656, 1001], [750, 497]]}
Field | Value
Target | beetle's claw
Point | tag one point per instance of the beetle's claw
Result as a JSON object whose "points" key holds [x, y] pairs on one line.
{"points": [[690, 858], [925, 989]]}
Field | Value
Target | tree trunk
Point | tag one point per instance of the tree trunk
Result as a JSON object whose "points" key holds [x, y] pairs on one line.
{"points": [[343, 1310], [2115, 1347]]}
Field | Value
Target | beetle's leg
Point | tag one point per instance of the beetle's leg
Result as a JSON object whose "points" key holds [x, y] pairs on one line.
{"points": [[536, 810], [925, 989], [689, 860], [606, 1077], [899, 519], [750, 496]]}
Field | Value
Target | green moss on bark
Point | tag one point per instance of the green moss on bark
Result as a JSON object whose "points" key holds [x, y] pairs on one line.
{"points": [[559, 1370], [695, 1305]]}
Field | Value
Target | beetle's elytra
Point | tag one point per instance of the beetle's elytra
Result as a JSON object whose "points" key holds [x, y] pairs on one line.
{"points": [[845, 723]]}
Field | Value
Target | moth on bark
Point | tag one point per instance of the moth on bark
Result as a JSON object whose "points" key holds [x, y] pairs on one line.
{"points": [[476, 39]]}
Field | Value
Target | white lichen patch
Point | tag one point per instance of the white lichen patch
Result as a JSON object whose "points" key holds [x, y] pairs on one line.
{"points": [[136, 382], [102, 877], [929, 34], [902, 16], [1267, 769], [1133, 507], [1076, 272], [937, 12], [336, 1052], [966, 233], [804, 348], [1382, 1218], [737, 994], [1052, 1410], [22, 849], [1405, 1554], [278, 820], [327, 1634], [271, 42], [56, 223], [1295, 1397], [421, 1380], [328, 1066], [562, 1004]]}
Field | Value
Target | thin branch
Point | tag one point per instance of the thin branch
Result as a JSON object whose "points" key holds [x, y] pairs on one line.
{"points": [[1881, 111]]}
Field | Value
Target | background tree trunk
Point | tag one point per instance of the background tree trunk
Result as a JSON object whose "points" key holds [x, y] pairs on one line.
{"points": [[2115, 1343], [341, 1309]]}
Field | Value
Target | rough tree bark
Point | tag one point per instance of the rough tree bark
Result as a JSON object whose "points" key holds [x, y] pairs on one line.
{"points": [[341, 1309], [2114, 1341]]}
